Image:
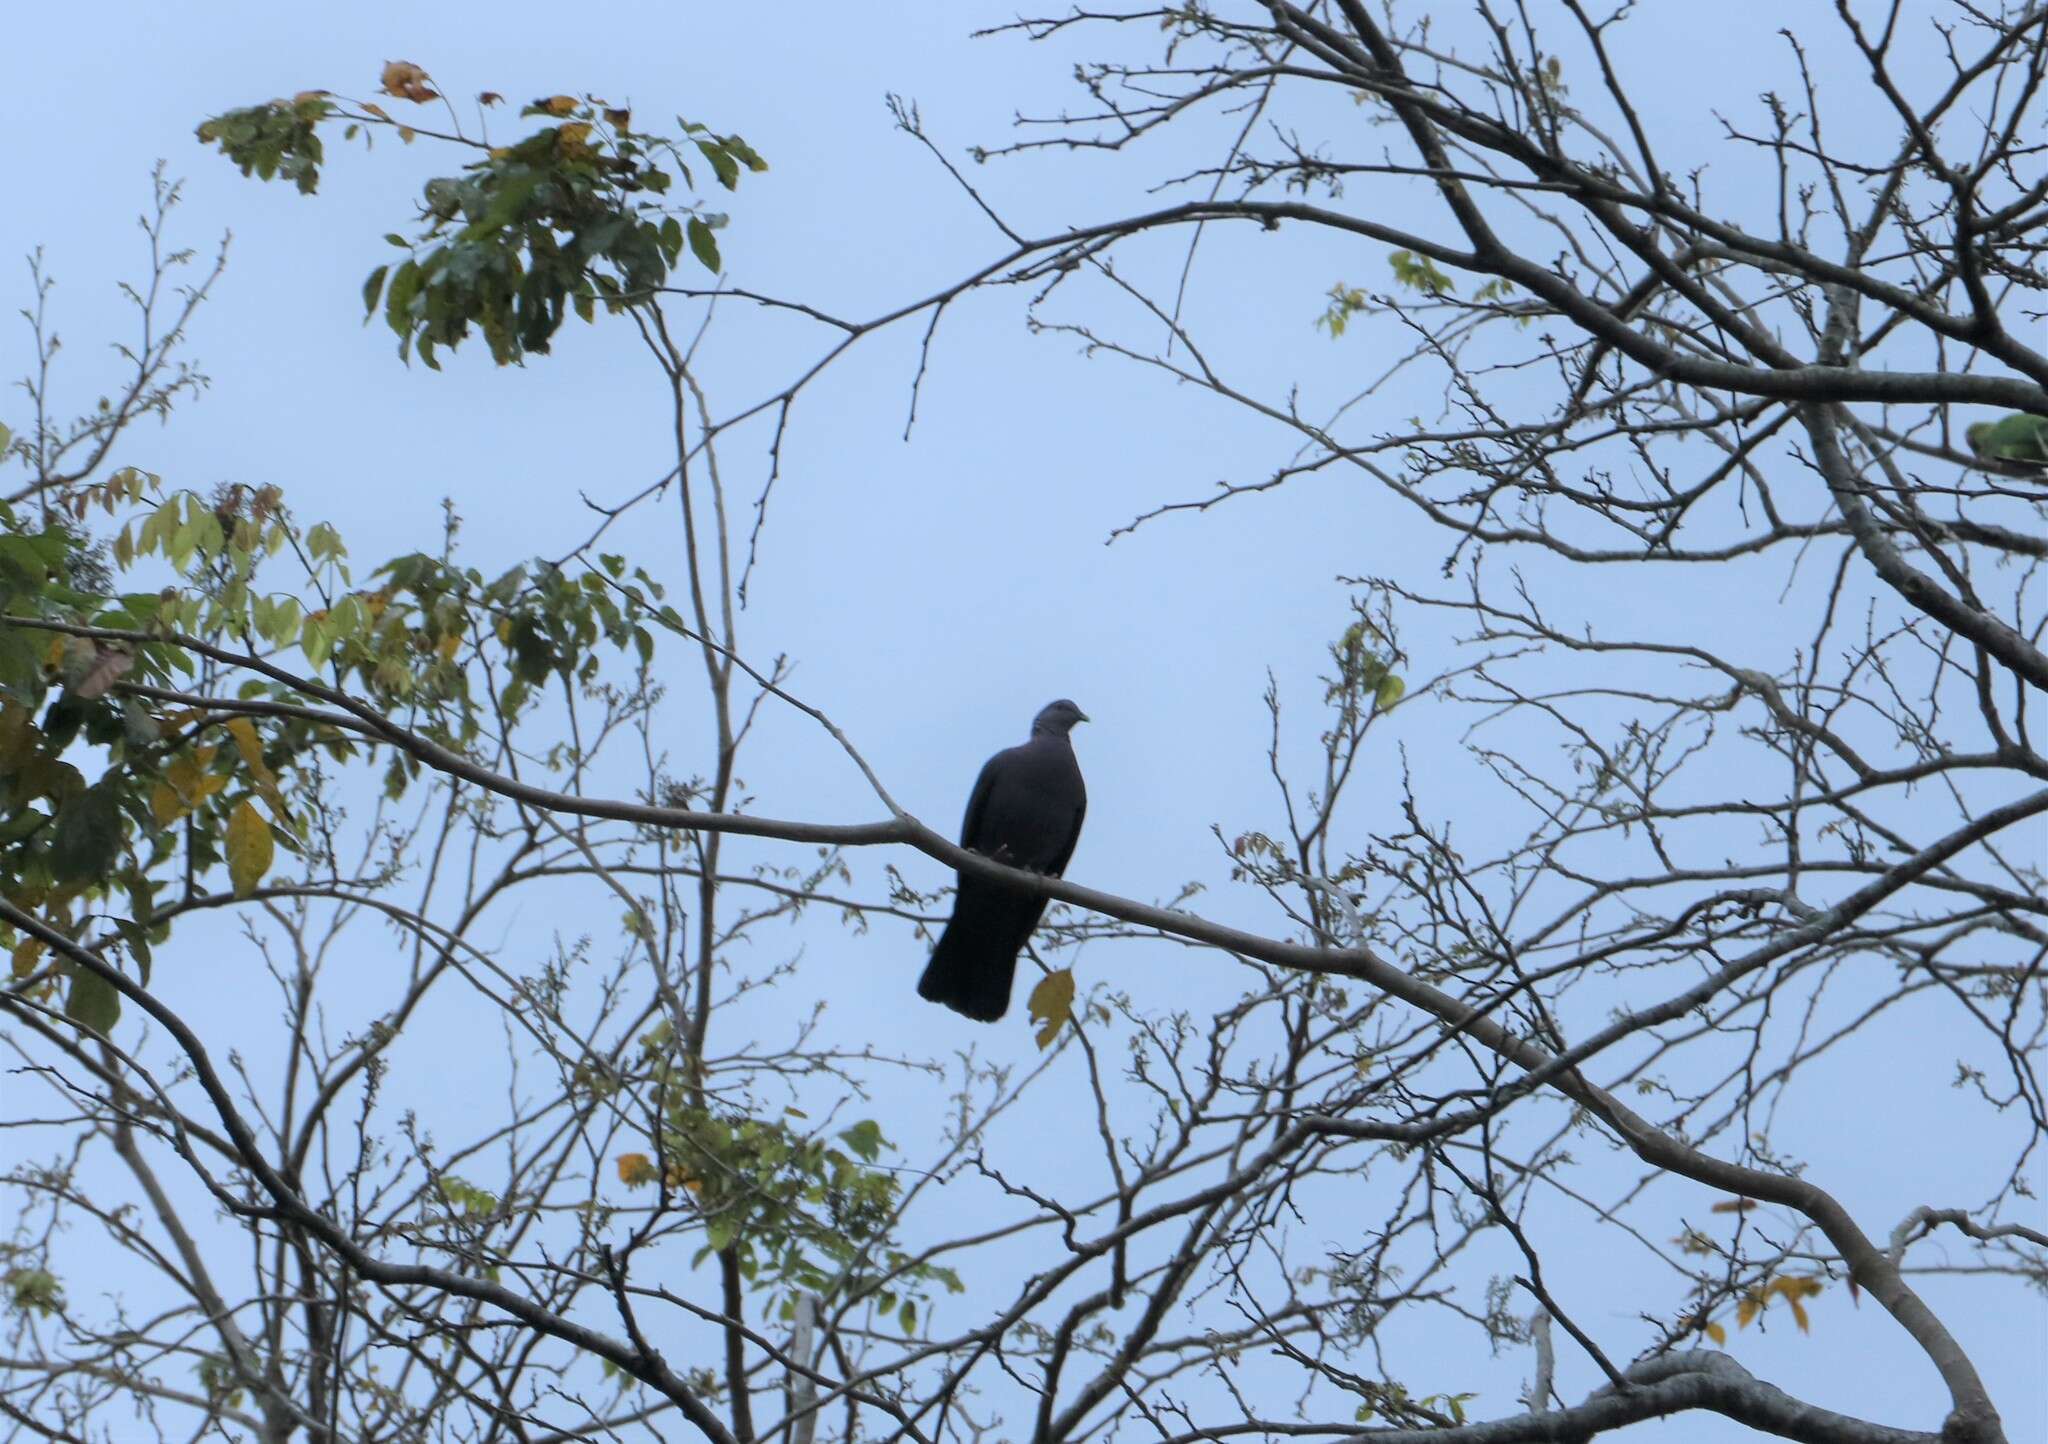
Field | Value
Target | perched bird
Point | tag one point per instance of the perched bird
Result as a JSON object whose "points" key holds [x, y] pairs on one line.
{"points": [[2020, 439], [1026, 811]]}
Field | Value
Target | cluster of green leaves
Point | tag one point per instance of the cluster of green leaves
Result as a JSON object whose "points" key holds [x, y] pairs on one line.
{"points": [[220, 1380], [454, 1217], [184, 790], [68, 848], [1411, 273], [1345, 303], [33, 1291], [576, 214], [801, 1213], [277, 140], [1365, 677], [1392, 1401], [1420, 273]]}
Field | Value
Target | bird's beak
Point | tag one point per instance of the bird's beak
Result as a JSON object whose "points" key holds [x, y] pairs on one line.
{"points": [[1084, 716]]}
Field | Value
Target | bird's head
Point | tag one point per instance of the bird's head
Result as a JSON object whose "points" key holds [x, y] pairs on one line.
{"points": [[1978, 436], [1057, 719]]}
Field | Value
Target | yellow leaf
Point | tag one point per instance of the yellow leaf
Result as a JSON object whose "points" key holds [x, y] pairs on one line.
{"points": [[165, 805], [450, 645], [25, 954], [251, 747], [573, 137], [557, 105], [1799, 1314], [250, 848], [1052, 1003], [635, 1169], [1745, 1312], [1718, 1334], [182, 772]]}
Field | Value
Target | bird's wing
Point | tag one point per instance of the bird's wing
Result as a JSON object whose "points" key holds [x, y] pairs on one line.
{"points": [[977, 803], [1066, 851]]}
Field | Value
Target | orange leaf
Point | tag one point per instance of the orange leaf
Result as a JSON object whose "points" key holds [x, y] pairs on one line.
{"points": [[635, 1169], [406, 81]]}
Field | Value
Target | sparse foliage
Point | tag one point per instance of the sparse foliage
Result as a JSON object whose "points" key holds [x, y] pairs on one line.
{"points": [[1718, 855]]}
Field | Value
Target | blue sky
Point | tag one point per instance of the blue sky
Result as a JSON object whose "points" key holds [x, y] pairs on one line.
{"points": [[932, 592]]}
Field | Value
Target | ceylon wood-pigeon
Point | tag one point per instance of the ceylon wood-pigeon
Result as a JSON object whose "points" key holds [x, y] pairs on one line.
{"points": [[1026, 811]]}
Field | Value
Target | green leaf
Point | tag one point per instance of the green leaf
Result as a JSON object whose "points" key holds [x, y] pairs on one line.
{"points": [[722, 163], [865, 1138], [137, 938], [92, 1001], [87, 840], [703, 245], [405, 284], [371, 290]]}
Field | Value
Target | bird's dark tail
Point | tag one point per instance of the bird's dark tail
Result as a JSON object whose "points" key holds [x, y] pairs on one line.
{"points": [[975, 961]]}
